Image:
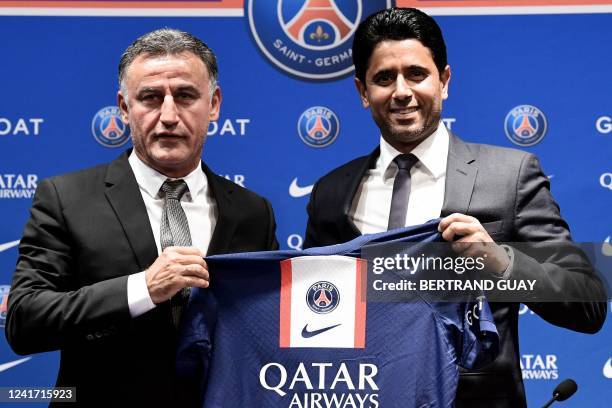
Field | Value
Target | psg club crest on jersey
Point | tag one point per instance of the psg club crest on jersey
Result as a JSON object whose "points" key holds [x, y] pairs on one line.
{"points": [[311, 39], [4, 292], [322, 297], [318, 126], [323, 302], [108, 129], [525, 125]]}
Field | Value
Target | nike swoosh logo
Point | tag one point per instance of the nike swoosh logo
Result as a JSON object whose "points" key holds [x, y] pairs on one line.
{"points": [[8, 245], [11, 364], [607, 370], [297, 191], [308, 334], [606, 247]]}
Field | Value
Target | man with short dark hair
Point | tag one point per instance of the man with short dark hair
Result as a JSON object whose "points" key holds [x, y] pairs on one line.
{"points": [[110, 253], [421, 171]]}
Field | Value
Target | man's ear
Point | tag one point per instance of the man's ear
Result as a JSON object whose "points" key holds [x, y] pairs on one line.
{"points": [[361, 88], [123, 107], [215, 105], [445, 77]]}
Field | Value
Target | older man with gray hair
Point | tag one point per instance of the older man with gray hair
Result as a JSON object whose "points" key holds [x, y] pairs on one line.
{"points": [[110, 253]]}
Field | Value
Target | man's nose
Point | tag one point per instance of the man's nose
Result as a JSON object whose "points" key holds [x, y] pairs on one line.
{"points": [[402, 90], [169, 112]]}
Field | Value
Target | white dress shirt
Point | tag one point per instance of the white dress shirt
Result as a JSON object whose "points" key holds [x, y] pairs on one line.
{"points": [[200, 209], [372, 203]]}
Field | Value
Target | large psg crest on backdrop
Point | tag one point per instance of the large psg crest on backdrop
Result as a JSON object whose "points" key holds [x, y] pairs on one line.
{"points": [[310, 39]]}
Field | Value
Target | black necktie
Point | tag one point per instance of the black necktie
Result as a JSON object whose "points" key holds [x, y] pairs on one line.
{"points": [[401, 190], [175, 232]]}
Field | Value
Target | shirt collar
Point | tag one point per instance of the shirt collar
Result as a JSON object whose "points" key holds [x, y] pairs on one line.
{"points": [[150, 180], [431, 152]]}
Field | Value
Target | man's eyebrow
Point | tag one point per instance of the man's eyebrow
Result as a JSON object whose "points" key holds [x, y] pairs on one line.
{"points": [[147, 89], [189, 88], [383, 71], [411, 66], [419, 67]]}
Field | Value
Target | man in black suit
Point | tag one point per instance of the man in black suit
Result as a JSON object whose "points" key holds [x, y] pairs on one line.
{"points": [[109, 253], [486, 194]]}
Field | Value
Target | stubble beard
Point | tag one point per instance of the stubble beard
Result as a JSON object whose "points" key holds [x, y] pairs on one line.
{"points": [[407, 139]]}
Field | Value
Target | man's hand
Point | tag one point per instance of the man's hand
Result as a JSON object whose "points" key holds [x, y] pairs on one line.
{"points": [[176, 268], [470, 239]]}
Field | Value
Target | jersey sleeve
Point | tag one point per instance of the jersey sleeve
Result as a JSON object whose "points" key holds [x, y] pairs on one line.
{"points": [[195, 347], [480, 340], [470, 331]]}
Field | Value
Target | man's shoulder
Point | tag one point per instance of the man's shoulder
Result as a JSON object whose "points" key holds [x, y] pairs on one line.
{"points": [[81, 185], [491, 158], [239, 193], [347, 169], [488, 151], [86, 173], [81, 180]]}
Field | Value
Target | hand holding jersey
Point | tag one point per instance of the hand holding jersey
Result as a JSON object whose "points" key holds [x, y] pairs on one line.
{"points": [[472, 240], [176, 268]]}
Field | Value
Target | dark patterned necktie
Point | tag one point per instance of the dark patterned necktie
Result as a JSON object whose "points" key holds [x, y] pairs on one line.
{"points": [[401, 190], [175, 232]]}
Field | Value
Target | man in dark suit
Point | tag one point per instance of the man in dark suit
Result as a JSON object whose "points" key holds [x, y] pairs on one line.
{"points": [[109, 253], [487, 195]]}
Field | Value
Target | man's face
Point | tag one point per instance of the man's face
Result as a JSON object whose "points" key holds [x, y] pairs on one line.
{"points": [[404, 91], [168, 108]]}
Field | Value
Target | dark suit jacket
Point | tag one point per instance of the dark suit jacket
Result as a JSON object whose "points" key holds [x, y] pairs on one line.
{"points": [[87, 232], [506, 190]]}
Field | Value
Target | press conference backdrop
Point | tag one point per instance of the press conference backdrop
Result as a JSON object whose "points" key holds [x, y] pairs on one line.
{"points": [[532, 75]]}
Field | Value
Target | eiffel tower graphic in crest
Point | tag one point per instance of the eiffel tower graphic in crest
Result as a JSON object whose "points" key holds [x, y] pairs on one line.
{"points": [[312, 10], [525, 128], [112, 129]]}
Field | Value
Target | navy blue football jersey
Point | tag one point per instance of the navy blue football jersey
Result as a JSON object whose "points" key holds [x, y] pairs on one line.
{"points": [[295, 329]]}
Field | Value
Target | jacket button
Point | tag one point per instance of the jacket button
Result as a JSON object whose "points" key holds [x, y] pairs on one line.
{"points": [[89, 337], [98, 334]]}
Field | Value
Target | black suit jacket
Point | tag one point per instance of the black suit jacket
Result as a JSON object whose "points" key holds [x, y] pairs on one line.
{"points": [[506, 190], [87, 232]]}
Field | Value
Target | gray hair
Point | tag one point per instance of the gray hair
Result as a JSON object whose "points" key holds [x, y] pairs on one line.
{"points": [[168, 41]]}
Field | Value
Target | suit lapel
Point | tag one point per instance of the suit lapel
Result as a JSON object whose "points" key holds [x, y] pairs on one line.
{"points": [[348, 189], [124, 196], [461, 170], [226, 213]]}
